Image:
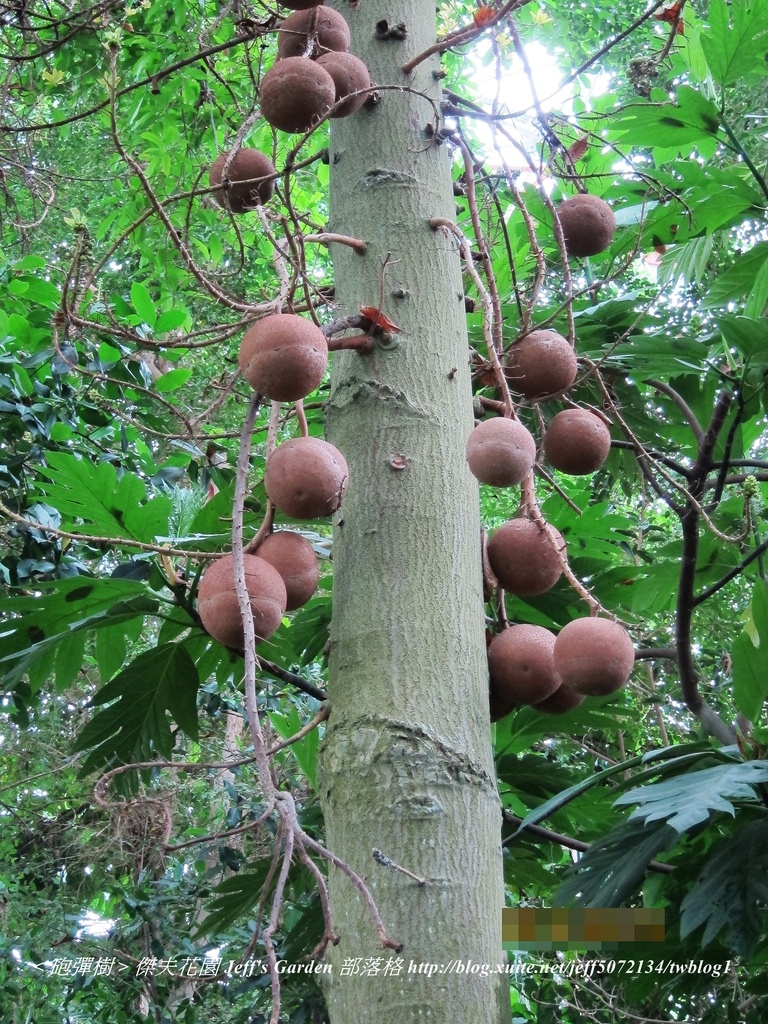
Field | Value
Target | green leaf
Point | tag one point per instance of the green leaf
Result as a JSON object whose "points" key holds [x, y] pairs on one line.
{"points": [[172, 380], [750, 657], [548, 808], [749, 336], [111, 645], [305, 749], [689, 799], [29, 263], [235, 898], [613, 868], [670, 126], [37, 626], [170, 320], [737, 40], [23, 382], [20, 328], [517, 733], [304, 638], [110, 507], [143, 304], [38, 669], [736, 282], [135, 726], [60, 432], [689, 262], [664, 754], [732, 891], [758, 295], [69, 659]]}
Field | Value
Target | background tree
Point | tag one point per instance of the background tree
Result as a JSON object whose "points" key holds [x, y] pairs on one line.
{"points": [[126, 288]]}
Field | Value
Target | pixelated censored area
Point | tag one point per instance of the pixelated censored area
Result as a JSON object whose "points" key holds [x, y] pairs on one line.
{"points": [[580, 928]]}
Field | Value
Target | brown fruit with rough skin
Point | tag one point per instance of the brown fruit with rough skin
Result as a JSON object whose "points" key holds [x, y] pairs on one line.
{"points": [[284, 357], [247, 164], [588, 225], [543, 363], [500, 706], [523, 558], [296, 94], [295, 559], [564, 699], [306, 478], [218, 606], [594, 656], [521, 664], [577, 442], [349, 75], [309, 33], [501, 452]]}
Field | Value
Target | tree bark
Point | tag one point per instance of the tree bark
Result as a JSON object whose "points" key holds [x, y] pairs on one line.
{"points": [[407, 764]]}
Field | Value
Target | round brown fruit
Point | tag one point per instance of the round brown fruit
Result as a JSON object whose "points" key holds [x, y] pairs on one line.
{"points": [[501, 452], [247, 164], [349, 75], [218, 606], [577, 442], [308, 33], [562, 700], [300, 5], [284, 357], [295, 559], [594, 656], [306, 478], [523, 558], [500, 706], [543, 363], [296, 94], [588, 225], [521, 664]]}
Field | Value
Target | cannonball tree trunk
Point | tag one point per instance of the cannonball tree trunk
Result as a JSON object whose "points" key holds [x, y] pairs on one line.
{"points": [[407, 763]]}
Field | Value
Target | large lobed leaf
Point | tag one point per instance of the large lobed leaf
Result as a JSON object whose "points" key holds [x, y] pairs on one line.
{"points": [[737, 40], [732, 892], [674, 755], [613, 867], [46, 631], [687, 800], [112, 507], [135, 726]]}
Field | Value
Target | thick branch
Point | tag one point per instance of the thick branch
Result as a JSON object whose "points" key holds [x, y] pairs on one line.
{"points": [[327, 238], [689, 521], [656, 654], [294, 680]]}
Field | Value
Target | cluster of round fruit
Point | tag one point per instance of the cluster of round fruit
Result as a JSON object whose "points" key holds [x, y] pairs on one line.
{"points": [[281, 577], [528, 664], [542, 364], [313, 73], [313, 70], [283, 357]]}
